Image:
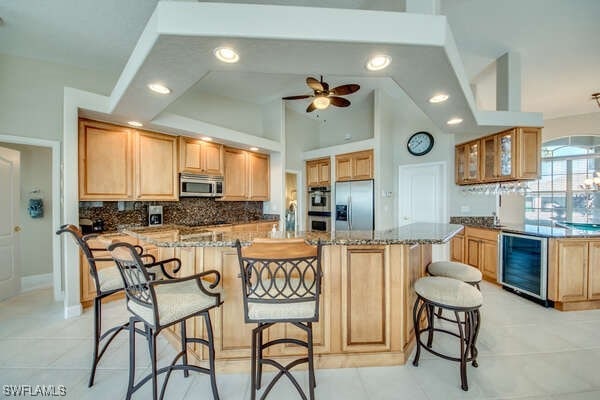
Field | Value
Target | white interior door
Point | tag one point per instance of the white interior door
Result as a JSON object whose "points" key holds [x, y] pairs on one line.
{"points": [[423, 197], [10, 275]]}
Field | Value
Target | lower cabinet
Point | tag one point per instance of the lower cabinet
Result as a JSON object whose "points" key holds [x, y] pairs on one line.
{"points": [[478, 248], [574, 271]]}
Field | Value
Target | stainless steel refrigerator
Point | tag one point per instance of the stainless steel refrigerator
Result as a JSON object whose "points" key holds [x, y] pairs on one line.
{"points": [[354, 206]]}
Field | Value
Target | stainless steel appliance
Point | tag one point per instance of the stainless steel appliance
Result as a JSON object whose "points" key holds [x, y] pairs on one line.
{"points": [[524, 265], [155, 215], [354, 206], [319, 221], [191, 185], [319, 199]]}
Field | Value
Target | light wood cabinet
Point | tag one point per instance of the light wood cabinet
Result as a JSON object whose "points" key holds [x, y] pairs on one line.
{"points": [[457, 247], [509, 155], [200, 157], [258, 176], [594, 271], [117, 163], [105, 161], [155, 166], [572, 270], [478, 248], [318, 172], [246, 175], [354, 166]]}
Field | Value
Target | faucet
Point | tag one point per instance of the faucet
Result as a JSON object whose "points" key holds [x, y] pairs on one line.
{"points": [[496, 219]]}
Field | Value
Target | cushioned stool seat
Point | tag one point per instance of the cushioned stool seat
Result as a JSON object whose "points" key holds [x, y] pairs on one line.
{"points": [[455, 270], [461, 298], [448, 292]]}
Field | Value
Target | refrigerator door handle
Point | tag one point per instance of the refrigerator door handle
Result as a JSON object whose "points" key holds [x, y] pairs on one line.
{"points": [[350, 213]]}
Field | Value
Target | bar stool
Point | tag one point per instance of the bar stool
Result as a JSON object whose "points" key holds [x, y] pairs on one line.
{"points": [[107, 282], [458, 297], [456, 270], [160, 304], [281, 282]]}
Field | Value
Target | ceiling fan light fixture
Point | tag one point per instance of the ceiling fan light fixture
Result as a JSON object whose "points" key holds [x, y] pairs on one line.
{"points": [[227, 55], [439, 98], [454, 121], [379, 62], [159, 88], [321, 102]]}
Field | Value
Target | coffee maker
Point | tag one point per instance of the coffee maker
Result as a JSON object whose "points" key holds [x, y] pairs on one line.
{"points": [[155, 215]]}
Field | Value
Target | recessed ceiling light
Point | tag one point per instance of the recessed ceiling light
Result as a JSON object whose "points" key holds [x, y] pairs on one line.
{"points": [[207, 139], [321, 102], [438, 98], [135, 123], [226, 54], [254, 148], [159, 88], [454, 121], [379, 62]]}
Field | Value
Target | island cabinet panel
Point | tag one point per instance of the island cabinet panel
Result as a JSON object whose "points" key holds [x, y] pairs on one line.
{"points": [[105, 161], [365, 299], [156, 166], [572, 270], [594, 271], [473, 250], [489, 260], [414, 267], [233, 336]]}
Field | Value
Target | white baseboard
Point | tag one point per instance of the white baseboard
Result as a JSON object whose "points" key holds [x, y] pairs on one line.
{"points": [[73, 311], [32, 282]]}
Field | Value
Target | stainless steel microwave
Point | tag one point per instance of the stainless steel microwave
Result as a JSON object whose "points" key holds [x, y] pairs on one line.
{"points": [[191, 185]]}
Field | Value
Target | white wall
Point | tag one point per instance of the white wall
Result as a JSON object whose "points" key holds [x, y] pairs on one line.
{"points": [[36, 233], [335, 123], [219, 110], [386, 171], [31, 95], [301, 134]]}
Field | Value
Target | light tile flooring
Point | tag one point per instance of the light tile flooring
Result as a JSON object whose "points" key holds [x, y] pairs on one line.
{"points": [[526, 352]]}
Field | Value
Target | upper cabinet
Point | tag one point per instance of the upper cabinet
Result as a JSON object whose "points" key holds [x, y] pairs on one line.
{"points": [[354, 166], [318, 172], [246, 175], [200, 157], [117, 163], [510, 155], [105, 161], [155, 166]]}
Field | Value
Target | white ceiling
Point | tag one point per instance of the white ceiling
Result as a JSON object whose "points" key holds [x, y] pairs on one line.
{"points": [[557, 40]]}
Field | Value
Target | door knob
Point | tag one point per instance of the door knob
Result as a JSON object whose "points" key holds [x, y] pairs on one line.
{"points": [[17, 228]]}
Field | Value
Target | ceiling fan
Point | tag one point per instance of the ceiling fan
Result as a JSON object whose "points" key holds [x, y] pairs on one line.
{"points": [[323, 96]]}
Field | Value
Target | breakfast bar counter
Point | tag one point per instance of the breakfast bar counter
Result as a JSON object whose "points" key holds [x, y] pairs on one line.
{"points": [[365, 315]]}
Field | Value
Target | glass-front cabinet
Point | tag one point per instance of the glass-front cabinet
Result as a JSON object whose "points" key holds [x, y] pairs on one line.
{"points": [[506, 154], [473, 161], [489, 158], [460, 156]]}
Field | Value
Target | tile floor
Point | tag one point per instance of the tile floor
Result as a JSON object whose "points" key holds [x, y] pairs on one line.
{"points": [[526, 352]]}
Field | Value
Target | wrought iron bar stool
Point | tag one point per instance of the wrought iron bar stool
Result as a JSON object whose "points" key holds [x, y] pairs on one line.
{"points": [[108, 281], [159, 304], [455, 270], [461, 299], [281, 282]]}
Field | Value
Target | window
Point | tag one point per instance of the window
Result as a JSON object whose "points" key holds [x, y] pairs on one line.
{"points": [[563, 191]]}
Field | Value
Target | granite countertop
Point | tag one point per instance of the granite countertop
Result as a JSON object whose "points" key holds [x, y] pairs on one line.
{"points": [[124, 227], [182, 236], [527, 229]]}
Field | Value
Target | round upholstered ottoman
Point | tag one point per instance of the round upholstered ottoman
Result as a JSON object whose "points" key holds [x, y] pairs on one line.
{"points": [[456, 296]]}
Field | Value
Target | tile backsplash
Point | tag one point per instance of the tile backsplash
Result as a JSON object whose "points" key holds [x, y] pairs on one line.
{"points": [[186, 211]]}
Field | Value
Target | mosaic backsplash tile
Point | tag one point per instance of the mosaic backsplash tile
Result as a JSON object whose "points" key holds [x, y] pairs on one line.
{"points": [[186, 211], [473, 221]]}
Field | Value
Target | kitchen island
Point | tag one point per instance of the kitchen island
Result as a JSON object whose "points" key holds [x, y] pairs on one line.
{"points": [[367, 293]]}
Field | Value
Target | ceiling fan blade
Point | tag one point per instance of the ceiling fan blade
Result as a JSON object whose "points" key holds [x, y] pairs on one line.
{"points": [[339, 101], [345, 89], [325, 86], [314, 84], [302, 96], [311, 107]]}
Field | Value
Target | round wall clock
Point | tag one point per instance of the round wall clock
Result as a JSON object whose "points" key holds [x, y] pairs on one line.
{"points": [[420, 143]]}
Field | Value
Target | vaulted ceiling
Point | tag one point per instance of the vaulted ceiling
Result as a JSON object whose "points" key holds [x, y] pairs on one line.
{"points": [[557, 40]]}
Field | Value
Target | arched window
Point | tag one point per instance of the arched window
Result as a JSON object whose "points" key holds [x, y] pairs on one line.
{"points": [[566, 191]]}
